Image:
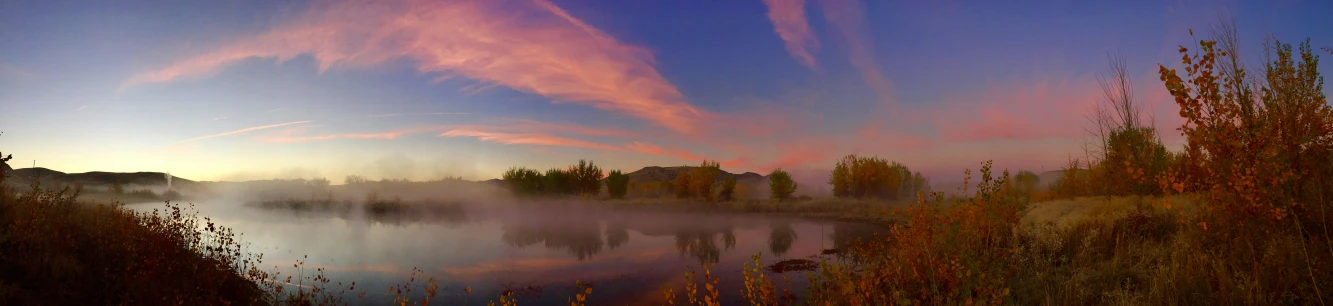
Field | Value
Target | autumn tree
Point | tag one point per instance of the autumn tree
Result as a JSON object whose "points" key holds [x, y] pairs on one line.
{"points": [[682, 185], [617, 184], [703, 178], [861, 177], [780, 184]]}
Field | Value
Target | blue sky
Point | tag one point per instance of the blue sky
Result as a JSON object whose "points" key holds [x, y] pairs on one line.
{"points": [[425, 89]]}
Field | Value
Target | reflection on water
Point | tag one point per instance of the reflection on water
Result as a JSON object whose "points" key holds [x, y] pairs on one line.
{"points": [[582, 240], [628, 255], [780, 237]]}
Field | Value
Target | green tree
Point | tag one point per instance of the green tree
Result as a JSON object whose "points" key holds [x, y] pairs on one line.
{"points": [[841, 178], [617, 184], [780, 184], [558, 182], [523, 181], [587, 177], [703, 178], [728, 190]]}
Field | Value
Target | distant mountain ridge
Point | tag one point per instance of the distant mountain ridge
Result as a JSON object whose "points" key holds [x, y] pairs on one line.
{"points": [[95, 177], [657, 174], [645, 174]]}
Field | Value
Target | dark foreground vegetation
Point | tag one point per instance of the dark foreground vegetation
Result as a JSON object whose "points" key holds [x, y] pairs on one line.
{"points": [[1240, 216]]}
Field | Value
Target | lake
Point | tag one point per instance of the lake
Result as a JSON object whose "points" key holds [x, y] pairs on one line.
{"points": [[535, 251]]}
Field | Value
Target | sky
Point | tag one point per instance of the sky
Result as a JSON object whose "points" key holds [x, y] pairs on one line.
{"points": [[241, 90]]}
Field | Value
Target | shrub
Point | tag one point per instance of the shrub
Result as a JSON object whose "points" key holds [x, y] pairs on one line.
{"points": [[1133, 157], [617, 184], [59, 251], [1025, 184], [1258, 167], [780, 184], [728, 190], [355, 179], [944, 255], [1074, 180]]}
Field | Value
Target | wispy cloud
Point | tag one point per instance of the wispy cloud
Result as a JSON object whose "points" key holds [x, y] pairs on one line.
{"points": [[290, 136], [650, 148], [219, 118], [503, 134], [527, 139], [275, 110], [9, 71], [241, 131], [82, 107], [416, 114], [546, 52], [532, 125], [788, 17], [848, 17]]}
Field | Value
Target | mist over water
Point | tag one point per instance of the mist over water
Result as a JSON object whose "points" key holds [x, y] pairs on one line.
{"points": [[473, 234]]}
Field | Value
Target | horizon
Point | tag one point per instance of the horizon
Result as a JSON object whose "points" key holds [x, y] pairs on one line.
{"points": [[421, 90]]}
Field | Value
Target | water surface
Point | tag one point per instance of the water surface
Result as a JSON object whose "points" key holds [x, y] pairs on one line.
{"points": [[537, 252]]}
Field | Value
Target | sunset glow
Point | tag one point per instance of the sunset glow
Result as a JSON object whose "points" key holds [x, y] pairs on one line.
{"points": [[256, 90]]}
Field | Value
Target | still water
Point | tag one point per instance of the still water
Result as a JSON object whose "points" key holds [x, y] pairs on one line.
{"points": [[534, 251]]}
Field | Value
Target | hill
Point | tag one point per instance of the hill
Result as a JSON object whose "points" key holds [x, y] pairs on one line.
{"points": [[657, 174], [48, 176]]}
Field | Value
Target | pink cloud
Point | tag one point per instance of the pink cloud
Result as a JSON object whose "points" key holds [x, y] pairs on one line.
{"points": [[788, 17], [526, 139], [533, 125], [1041, 109], [534, 47]]}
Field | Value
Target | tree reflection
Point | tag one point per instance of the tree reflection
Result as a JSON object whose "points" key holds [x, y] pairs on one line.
{"points": [[582, 240], [701, 244], [616, 235], [780, 237], [846, 235]]}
